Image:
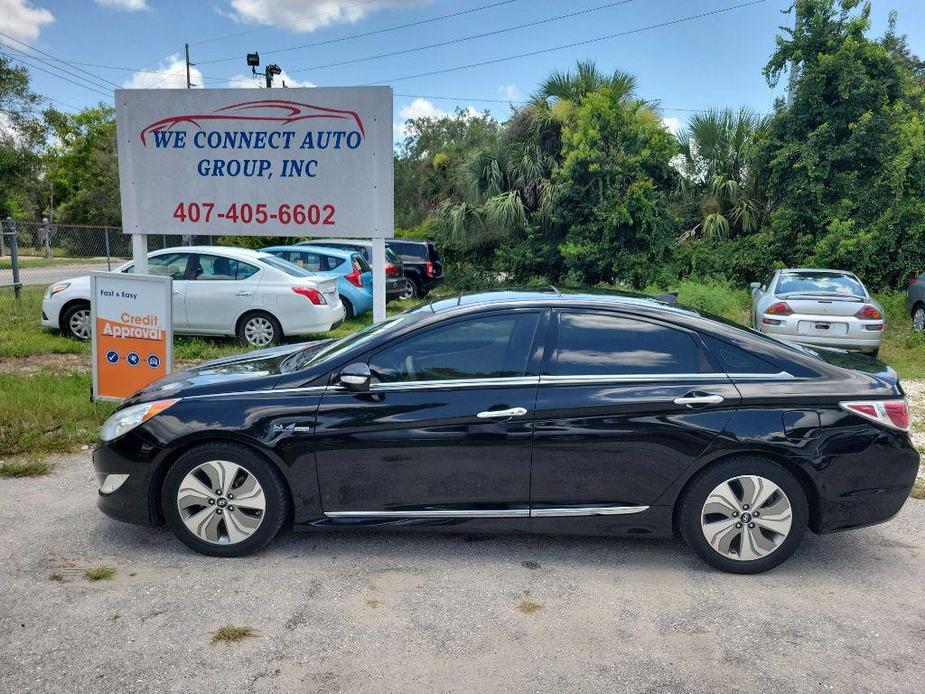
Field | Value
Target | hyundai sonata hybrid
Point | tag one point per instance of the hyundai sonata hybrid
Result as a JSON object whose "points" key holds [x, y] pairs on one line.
{"points": [[520, 411]]}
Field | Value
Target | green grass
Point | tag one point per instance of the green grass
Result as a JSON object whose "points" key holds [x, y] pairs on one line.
{"points": [[24, 468], [232, 634], [100, 573], [47, 413], [28, 261]]}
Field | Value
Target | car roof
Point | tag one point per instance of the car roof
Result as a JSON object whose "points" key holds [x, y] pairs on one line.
{"points": [[230, 251], [345, 241], [327, 250], [552, 296], [828, 271]]}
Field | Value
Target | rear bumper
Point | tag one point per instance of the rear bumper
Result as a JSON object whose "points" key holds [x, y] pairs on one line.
{"points": [[857, 337], [319, 320]]}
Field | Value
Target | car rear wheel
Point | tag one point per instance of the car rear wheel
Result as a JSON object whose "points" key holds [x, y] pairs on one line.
{"points": [[918, 318], [744, 515], [259, 329], [75, 322], [224, 500], [407, 291], [348, 309]]}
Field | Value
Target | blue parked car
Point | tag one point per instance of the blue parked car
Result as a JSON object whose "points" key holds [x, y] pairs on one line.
{"points": [[354, 275]]}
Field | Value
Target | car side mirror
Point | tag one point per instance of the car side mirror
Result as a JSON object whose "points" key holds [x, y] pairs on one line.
{"points": [[755, 285], [355, 377]]}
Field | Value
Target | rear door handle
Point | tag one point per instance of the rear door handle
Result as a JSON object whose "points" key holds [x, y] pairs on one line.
{"points": [[502, 414], [699, 400]]}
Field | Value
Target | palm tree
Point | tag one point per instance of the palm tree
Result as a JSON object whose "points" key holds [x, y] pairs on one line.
{"points": [[717, 176]]}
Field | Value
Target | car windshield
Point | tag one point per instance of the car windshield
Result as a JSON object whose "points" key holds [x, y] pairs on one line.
{"points": [[285, 266], [312, 356], [819, 282]]}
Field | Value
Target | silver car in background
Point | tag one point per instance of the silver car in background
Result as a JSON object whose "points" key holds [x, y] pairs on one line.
{"points": [[831, 308]]}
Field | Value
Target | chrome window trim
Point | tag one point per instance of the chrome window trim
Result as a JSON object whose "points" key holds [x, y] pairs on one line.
{"points": [[629, 378], [495, 513]]}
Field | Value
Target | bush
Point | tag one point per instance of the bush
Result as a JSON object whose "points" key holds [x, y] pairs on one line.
{"points": [[710, 296]]}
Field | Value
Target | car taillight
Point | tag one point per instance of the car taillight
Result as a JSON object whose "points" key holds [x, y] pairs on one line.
{"points": [[391, 269], [354, 279], [891, 413], [429, 269], [781, 308], [868, 312], [312, 295], [914, 280]]}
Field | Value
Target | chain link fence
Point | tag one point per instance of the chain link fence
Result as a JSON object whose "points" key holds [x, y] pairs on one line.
{"points": [[50, 252]]}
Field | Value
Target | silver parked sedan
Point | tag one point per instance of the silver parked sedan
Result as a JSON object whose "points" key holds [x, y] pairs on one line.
{"points": [[818, 307]]}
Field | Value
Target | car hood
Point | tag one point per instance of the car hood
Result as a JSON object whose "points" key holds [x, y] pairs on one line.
{"points": [[254, 370]]}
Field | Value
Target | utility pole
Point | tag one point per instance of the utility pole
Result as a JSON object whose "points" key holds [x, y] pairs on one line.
{"points": [[189, 84], [794, 78]]}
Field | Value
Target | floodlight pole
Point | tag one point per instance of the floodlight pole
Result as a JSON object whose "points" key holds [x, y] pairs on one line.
{"points": [[189, 83]]}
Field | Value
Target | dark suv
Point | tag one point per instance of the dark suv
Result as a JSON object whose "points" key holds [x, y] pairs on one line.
{"points": [[421, 263]]}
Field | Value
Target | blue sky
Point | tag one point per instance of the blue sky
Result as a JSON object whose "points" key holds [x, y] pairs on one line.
{"points": [[691, 65]]}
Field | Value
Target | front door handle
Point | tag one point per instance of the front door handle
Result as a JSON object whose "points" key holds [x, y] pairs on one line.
{"points": [[243, 292], [502, 414], [690, 400]]}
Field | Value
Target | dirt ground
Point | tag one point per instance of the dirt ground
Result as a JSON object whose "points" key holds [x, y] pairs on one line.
{"points": [[364, 612]]}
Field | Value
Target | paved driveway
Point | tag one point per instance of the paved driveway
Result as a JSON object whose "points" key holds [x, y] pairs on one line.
{"points": [[48, 275], [355, 612]]}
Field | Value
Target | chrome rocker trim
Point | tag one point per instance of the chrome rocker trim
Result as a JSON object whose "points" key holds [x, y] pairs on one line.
{"points": [[495, 513]]}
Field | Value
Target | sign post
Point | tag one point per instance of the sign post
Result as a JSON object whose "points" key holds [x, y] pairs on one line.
{"points": [[313, 163], [132, 336]]}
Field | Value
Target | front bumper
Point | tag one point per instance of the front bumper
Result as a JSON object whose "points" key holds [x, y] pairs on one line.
{"points": [[133, 501], [51, 310]]}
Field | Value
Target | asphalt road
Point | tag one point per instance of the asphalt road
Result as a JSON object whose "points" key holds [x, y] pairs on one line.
{"points": [[48, 275], [357, 612]]}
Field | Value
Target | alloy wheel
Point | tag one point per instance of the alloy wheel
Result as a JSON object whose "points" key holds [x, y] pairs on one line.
{"points": [[407, 291], [221, 502], [746, 518], [258, 331], [79, 324], [918, 319]]}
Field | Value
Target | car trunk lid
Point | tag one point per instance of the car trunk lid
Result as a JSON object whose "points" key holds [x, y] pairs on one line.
{"points": [[823, 304]]}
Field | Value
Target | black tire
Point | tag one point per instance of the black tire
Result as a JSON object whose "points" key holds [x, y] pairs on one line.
{"points": [[274, 488], [68, 315], [918, 318], [409, 292], [274, 327], [872, 352], [692, 502], [348, 308]]}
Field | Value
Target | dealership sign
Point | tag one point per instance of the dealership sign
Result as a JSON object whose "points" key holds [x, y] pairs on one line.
{"points": [[305, 162], [132, 332]]}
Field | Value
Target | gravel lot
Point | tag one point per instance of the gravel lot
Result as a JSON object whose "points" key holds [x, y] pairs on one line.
{"points": [[411, 612]]}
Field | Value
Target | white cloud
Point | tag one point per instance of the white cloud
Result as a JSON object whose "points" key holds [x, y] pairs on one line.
{"points": [[307, 15], [23, 21], [127, 5], [169, 74], [244, 81], [511, 92], [672, 125], [422, 108]]}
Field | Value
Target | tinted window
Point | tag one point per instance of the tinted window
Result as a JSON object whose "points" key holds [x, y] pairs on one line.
{"points": [[288, 268], [360, 264], [735, 360], [592, 344], [413, 251], [490, 347], [216, 267], [167, 265]]}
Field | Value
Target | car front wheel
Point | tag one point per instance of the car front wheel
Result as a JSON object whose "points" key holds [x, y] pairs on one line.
{"points": [[407, 291], [744, 515], [76, 321], [224, 500]]}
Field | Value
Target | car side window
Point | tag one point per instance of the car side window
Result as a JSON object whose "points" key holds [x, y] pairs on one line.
{"points": [[595, 344], [171, 265], [360, 264], [735, 360], [216, 267], [496, 346], [308, 261]]}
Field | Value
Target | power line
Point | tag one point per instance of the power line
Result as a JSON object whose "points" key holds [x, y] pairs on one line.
{"points": [[374, 32], [82, 85], [574, 44], [56, 59], [462, 39], [272, 26], [83, 81]]}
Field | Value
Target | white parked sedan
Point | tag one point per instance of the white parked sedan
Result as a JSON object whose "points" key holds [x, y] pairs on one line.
{"points": [[830, 308], [218, 291]]}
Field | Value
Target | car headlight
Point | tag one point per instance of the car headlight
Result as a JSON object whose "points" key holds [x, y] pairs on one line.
{"points": [[125, 420], [55, 288]]}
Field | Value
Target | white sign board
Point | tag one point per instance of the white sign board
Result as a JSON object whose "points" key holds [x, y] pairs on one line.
{"points": [[281, 162], [132, 322]]}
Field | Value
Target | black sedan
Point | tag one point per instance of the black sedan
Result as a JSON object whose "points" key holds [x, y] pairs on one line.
{"points": [[532, 411]]}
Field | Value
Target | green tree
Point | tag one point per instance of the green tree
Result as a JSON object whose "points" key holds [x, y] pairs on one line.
{"points": [[84, 167], [845, 163], [21, 136]]}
